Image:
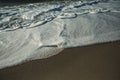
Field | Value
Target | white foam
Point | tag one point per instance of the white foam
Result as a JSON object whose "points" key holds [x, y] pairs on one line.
{"points": [[41, 30]]}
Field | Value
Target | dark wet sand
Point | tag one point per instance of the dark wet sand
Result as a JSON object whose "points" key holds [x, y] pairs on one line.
{"points": [[97, 62]]}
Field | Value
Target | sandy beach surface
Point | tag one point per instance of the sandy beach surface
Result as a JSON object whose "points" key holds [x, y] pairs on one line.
{"points": [[96, 62]]}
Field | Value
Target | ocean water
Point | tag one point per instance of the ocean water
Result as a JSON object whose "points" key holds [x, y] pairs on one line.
{"points": [[40, 30]]}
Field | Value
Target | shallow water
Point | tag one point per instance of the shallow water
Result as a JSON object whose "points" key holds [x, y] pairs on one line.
{"points": [[40, 30]]}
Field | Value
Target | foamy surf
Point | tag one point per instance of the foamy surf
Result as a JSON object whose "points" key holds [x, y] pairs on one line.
{"points": [[41, 30]]}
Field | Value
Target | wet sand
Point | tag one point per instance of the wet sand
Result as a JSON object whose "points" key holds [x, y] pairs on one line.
{"points": [[95, 62]]}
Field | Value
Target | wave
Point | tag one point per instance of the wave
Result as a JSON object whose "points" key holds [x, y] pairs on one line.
{"points": [[34, 15], [41, 30]]}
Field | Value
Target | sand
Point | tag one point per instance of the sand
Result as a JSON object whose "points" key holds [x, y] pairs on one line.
{"points": [[97, 62]]}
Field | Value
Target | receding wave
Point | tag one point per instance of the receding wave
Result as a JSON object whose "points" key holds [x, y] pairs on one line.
{"points": [[40, 30]]}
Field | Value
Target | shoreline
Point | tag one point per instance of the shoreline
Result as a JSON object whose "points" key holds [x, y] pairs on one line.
{"points": [[96, 62]]}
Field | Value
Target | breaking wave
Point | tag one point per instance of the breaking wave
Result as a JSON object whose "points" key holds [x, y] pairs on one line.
{"points": [[34, 15]]}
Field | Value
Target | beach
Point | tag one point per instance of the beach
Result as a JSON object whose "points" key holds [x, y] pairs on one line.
{"points": [[95, 62]]}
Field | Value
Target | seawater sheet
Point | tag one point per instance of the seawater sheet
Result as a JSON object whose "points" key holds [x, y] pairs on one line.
{"points": [[40, 30]]}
